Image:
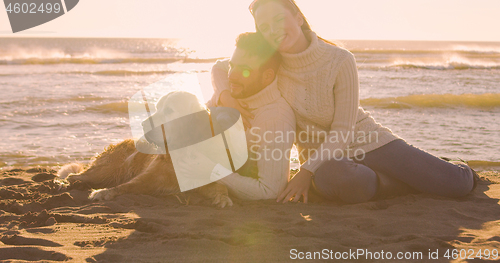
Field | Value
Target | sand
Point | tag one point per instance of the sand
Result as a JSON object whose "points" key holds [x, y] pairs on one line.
{"points": [[39, 222]]}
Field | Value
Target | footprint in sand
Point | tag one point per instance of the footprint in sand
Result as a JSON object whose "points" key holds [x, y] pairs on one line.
{"points": [[12, 181], [41, 230], [24, 241], [31, 254], [96, 243], [43, 177]]}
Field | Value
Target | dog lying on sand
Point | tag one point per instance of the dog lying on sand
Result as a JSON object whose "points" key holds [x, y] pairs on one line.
{"points": [[122, 169]]}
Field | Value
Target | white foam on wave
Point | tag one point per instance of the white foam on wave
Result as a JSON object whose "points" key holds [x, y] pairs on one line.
{"points": [[447, 62], [13, 53], [477, 49]]}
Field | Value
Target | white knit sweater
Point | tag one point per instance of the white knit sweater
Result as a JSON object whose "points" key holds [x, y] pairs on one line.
{"points": [[322, 87], [273, 116]]}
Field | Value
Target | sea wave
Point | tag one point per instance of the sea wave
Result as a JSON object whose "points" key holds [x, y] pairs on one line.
{"points": [[483, 164], [81, 104], [452, 62], [110, 107], [481, 101], [443, 62], [30, 100], [107, 105], [123, 72], [446, 65], [459, 49], [104, 73], [50, 61]]}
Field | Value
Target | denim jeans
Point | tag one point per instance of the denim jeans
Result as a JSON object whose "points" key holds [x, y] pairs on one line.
{"points": [[393, 169]]}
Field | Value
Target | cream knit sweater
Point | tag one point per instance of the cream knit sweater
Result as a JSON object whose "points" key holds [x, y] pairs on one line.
{"points": [[322, 87], [271, 156]]}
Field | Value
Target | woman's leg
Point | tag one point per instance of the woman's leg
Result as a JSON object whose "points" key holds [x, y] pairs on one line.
{"points": [[347, 180], [420, 170]]}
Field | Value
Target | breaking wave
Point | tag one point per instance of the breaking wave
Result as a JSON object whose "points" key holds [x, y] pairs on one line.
{"points": [[488, 100]]}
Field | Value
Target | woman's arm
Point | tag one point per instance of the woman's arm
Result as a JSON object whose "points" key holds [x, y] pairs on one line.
{"points": [[220, 81], [222, 95], [346, 96]]}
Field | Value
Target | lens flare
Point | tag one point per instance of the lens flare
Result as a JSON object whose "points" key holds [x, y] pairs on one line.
{"points": [[246, 73]]}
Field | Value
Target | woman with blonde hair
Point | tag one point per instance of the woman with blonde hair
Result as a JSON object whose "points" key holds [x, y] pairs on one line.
{"points": [[343, 151]]}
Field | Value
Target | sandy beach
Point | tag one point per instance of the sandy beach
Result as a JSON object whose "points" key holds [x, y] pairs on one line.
{"points": [[39, 222]]}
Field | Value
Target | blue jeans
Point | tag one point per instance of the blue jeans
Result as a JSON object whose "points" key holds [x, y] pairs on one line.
{"points": [[393, 169]]}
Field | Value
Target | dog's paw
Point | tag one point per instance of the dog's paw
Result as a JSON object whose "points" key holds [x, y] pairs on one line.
{"points": [[102, 194], [61, 184], [222, 200]]}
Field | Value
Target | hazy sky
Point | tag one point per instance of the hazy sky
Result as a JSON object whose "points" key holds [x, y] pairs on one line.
{"points": [[469, 20]]}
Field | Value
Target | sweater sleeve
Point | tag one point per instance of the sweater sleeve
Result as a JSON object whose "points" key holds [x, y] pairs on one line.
{"points": [[346, 97], [220, 81], [273, 161]]}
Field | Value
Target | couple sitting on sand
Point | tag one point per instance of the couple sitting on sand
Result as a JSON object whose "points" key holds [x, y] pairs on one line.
{"points": [[293, 86]]}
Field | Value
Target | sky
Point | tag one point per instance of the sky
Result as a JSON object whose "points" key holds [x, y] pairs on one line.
{"points": [[446, 20]]}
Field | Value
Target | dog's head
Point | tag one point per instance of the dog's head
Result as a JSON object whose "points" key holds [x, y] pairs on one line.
{"points": [[177, 104], [169, 107]]}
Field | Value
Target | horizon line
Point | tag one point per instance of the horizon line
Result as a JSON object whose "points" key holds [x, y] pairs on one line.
{"points": [[177, 38]]}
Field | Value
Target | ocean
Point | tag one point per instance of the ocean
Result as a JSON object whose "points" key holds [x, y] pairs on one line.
{"points": [[65, 99]]}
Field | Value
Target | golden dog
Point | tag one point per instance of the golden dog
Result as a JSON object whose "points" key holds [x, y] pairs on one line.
{"points": [[122, 169]]}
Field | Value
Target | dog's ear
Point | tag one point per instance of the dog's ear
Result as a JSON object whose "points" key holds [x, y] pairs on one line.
{"points": [[161, 103], [195, 105]]}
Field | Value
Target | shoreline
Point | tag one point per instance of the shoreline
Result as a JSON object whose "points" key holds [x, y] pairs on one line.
{"points": [[478, 165]]}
